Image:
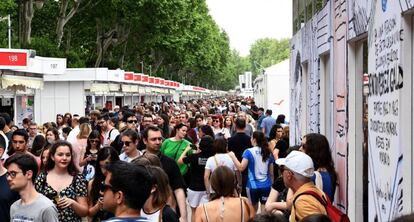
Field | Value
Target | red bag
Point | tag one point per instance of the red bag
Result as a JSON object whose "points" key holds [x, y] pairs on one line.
{"points": [[333, 213]]}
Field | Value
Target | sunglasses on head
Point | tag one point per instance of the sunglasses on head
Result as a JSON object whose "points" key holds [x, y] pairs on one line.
{"points": [[132, 121]]}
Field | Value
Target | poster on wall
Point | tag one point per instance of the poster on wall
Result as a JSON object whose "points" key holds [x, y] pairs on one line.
{"points": [[384, 126], [24, 108]]}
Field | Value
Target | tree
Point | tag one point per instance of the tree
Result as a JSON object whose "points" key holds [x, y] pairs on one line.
{"points": [[266, 52]]}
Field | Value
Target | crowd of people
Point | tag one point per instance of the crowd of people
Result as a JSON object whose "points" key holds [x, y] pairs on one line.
{"points": [[226, 159]]}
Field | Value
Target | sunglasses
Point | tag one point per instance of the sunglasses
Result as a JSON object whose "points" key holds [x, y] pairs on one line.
{"points": [[94, 141], [126, 143], [216, 121], [105, 187], [132, 121]]}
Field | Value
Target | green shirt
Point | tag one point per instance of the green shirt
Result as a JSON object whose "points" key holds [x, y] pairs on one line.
{"points": [[174, 149]]}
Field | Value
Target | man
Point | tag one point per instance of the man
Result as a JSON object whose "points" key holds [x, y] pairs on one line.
{"points": [[129, 139], [268, 123], [248, 130], [94, 119], [297, 169], [116, 111], [183, 118], [32, 134], [33, 206], [109, 132], [153, 140], [19, 144], [260, 119], [9, 124], [125, 189], [7, 196], [130, 120], [238, 144], [75, 130], [254, 110], [4, 137], [146, 120]]}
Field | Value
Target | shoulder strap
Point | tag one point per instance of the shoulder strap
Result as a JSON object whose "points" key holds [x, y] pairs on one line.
{"points": [[177, 149], [215, 160], [109, 134], [205, 212], [241, 210], [161, 212], [318, 197], [318, 180]]}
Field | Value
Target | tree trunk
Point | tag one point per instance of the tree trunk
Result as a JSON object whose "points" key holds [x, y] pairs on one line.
{"points": [[27, 17], [64, 18]]}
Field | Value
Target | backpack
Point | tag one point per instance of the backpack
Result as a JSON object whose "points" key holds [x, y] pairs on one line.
{"points": [[333, 213]]}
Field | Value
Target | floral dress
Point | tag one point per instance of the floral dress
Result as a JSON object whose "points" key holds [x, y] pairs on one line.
{"points": [[78, 188]]}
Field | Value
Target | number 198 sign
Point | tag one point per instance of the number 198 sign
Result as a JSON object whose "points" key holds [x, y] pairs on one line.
{"points": [[13, 59]]}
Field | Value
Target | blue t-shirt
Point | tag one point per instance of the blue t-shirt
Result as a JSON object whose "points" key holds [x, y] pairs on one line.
{"points": [[267, 124], [327, 184], [258, 171], [127, 219]]}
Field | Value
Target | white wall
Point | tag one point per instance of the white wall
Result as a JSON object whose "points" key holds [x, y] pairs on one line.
{"points": [[61, 97]]}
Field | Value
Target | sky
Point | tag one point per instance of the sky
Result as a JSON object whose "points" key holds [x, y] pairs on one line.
{"points": [[245, 21]]}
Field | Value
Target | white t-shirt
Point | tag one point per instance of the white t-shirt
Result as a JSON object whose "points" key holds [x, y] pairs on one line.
{"points": [[223, 159], [110, 136], [128, 159]]}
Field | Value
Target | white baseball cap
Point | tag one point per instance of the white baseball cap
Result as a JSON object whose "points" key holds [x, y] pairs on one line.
{"points": [[298, 162]]}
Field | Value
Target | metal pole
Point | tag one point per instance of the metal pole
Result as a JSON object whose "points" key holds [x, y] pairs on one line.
{"points": [[142, 67], [9, 31], [150, 70]]}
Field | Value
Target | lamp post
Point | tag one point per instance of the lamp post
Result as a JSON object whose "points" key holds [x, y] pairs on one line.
{"points": [[142, 67]]}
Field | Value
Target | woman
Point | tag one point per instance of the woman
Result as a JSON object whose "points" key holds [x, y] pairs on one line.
{"points": [[317, 147], [156, 208], [228, 125], [276, 144], [106, 155], [175, 146], [217, 126], [209, 121], [67, 119], [80, 143], [259, 162], [52, 135], [88, 155], [60, 121], [38, 143], [162, 122], [196, 190], [44, 155], [220, 158], [61, 183], [223, 205]]}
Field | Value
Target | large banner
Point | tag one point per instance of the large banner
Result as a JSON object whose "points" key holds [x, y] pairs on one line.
{"points": [[384, 108]]}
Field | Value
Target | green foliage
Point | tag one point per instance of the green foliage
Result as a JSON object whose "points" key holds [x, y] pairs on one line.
{"points": [[266, 52], [7, 7], [177, 38]]}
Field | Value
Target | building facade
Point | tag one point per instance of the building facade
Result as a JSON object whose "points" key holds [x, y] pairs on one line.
{"points": [[348, 59]]}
